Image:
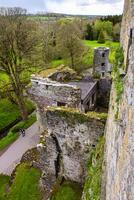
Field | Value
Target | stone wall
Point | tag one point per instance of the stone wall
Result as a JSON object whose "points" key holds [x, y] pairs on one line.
{"points": [[101, 60], [45, 92], [53, 92], [127, 24], [119, 157], [70, 138]]}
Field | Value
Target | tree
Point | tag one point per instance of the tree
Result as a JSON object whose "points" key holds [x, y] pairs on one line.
{"points": [[17, 42], [101, 38], [70, 44], [89, 32], [116, 32], [106, 26]]}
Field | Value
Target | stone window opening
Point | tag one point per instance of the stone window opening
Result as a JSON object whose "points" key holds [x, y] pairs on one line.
{"points": [[131, 33], [103, 55], [103, 74], [102, 64], [60, 104], [46, 87]]}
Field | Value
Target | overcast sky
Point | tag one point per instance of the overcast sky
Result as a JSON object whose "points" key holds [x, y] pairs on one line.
{"points": [[89, 7]]}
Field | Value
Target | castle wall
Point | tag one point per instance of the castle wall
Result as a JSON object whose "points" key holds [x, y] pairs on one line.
{"points": [[53, 92], [70, 138], [127, 24], [119, 156]]}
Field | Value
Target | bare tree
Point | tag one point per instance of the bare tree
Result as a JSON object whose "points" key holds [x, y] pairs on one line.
{"points": [[17, 42]]}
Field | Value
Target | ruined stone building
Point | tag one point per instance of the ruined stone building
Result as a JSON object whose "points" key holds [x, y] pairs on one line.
{"points": [[61, 87], [69, 134]]}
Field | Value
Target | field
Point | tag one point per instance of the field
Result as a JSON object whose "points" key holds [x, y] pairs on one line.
{"points": [[87, 61], [24, 186], [94, 44]]}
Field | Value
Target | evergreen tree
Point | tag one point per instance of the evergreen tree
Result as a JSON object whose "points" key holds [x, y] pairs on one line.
{"points": [[101, 38]]}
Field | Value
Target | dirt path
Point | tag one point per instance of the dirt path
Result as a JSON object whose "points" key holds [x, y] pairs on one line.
{"points": [[12, 156]]}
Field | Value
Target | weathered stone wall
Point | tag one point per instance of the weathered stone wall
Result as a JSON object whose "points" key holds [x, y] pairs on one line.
{"points": [[53, 92], [101, 60], [68, 143], [120, 133], [45, 92], [127, 24]]}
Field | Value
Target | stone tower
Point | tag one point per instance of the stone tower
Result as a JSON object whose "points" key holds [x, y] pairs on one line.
{"points": [[101, 61]]}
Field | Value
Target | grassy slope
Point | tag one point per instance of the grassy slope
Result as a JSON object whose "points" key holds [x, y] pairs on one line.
{"points": [[9, 112], [4, 184], [68, 191], [24, 187], [14, 132]]}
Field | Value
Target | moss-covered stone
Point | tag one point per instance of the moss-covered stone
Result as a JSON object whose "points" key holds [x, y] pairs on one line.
{"points": [[92, 188], [61, 69], [74, 115]]}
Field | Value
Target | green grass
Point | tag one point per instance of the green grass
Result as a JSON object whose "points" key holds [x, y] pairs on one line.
{"points": [[9, 112], [24, 187], [56, 63], [4, 184], [68, 191], [94, 44], [14, 132], [92, 187]]}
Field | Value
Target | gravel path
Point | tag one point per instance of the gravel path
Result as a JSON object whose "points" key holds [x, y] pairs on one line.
{"points": [[12, 156]]}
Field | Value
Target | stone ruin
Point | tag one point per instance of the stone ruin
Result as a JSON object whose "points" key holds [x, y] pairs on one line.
{"points": [[68, 133], [101, 61]]}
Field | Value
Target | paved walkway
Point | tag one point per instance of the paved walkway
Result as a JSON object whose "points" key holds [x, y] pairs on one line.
{"points": [[12, 156]]}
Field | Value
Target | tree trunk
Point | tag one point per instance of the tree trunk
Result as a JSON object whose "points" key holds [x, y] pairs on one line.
{"points": [[22, 107]]}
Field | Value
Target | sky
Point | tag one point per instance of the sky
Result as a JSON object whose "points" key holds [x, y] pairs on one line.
{"points": [[83, 7]]}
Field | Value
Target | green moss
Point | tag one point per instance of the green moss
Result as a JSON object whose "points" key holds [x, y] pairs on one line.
{"points": [[68, 191], [73, 115], [42, 137], [46, 73], [118, 81], [92, 187]]}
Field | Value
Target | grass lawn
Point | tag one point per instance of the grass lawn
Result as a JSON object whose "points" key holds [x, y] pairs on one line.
{"points": [[14, 132], [95, 43], [4, 184], [9, 112], [68, 191], [24, 187]]}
